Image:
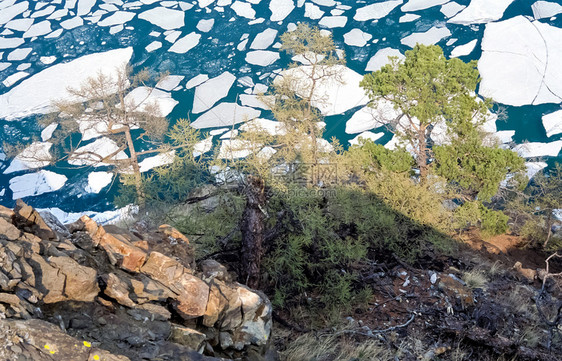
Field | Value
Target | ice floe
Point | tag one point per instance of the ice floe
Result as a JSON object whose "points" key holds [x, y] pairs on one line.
{"points": [[169, 82], [142, 98], [333, 21], [20, 24], [19, 54], [48, 59], [380, 59], [38, 29], [408, 18], [72, 23], [415, 5], [371, 117], [312, 11], [356, 37], [8, 43], [432, 36], [196, 80], [251, 100], [552, 123], [237, 148], [98, 181], [505, 136], [11, 12], [108, 217], [157, 160], [47, 133], [203, 146], [36, 94], [35, 155], [280, 9], [367, 136], [225, 115], [534, 167], [262, 57], [95, 153], [531, 150], [533, 51], [451, 9], [263, 125], [376, 11], [481, 11], [462, 50], [545, 9], [155, 45], [117, 18], [85, 6], [264, 39], [163, 17], [205, 25], [330, 97], [243, 9], [35, 184], [329, 3], [186, 43], [211, 91], [14, 78]]}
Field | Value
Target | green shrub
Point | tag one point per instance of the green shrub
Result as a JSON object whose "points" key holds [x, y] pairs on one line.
{"points": [[474, 213]]}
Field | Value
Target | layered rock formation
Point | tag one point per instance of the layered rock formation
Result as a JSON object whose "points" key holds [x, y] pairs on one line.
{"points": [[90, 292]]}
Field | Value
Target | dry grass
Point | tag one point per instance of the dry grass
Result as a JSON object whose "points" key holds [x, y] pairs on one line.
{"points": [[309, 347], [475, 279]]}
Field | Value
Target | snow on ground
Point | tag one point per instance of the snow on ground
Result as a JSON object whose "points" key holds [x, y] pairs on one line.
{"points": [[264, 39], [36, 155], [552, 123], [481, 11], [380, 59], [429, 37], [186, 43], [169, 82], [262, 57], [462, 50], [225, 115], [376, 11], [333, 21], [534, 167], [205, 25], [36, 94], [47, 133], [203, 146], [35, 184], [531, 150], [545, 9], [211, 91], [142, 98], [505, 136], [117, 18], [533, 51], [451, 9], [93, 153], [243, 9], [415, 5], [98, 181], [312, 11], [156, 161], [280, 9], [163, 17], [356, 37], [366, 136], [408, 18], [330, 96], [263, 125]]}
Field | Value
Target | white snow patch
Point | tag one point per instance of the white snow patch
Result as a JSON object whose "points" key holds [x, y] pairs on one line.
{"points": [[163, 17], [98, 181], [376, 11], [225, 115], [381, 58], [481, 11], [552, 123], [533, 52], [211, 91], [186, 43], [35, 184], [356, 37], [429, 37], [531, 150], [262, 57], [37, 94], [462, 50]]}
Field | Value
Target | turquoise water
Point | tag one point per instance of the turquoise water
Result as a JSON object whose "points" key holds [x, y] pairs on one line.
{"points": [[217, 53]]}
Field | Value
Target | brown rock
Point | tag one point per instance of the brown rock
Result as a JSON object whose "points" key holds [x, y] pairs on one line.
{"points": [[6, 213], [146, 290], [212, 269], [118, 290], [121, 251], [187, 337], [26, 216], [9, 298], [215, 306], [173, 233], [81, 282], [8, 230], [456, 291]]}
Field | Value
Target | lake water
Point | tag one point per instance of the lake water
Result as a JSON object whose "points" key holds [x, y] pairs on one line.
{"points": [[215, 53]]}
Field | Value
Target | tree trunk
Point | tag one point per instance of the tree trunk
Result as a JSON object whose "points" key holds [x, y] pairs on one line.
{"points": [[253, 231], [422, 154], [549, 225], [141, 201]]}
